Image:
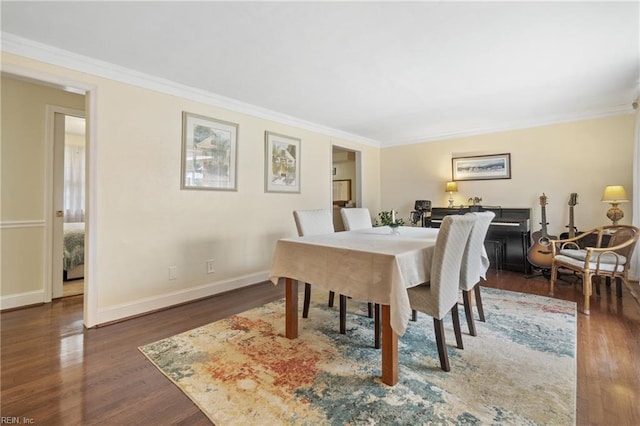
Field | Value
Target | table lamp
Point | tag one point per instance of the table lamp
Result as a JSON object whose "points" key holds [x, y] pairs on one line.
{"points": [[451, 187], [615, 194]]}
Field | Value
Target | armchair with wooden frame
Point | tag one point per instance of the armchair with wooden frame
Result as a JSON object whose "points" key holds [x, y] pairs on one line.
{"points": [[590, 254]]}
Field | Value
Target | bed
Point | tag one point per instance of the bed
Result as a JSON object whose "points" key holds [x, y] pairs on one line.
{"points": [[73, 258]]}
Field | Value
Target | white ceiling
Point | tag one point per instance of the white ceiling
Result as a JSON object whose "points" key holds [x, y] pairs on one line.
{"points": [[389, 72]]}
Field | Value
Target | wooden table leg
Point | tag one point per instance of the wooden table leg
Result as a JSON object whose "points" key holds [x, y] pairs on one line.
{"points": [[389, 349], [291, 308]]}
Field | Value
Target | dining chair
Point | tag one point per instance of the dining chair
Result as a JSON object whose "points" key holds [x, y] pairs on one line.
{"points": [[356, 218], [317, 222], [314, 222], [440, 295], [601, 252], [474, 267]]}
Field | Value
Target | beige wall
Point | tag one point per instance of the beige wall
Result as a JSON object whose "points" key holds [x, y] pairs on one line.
{"points": [[23, 213], [144, 223], [581, 157]]}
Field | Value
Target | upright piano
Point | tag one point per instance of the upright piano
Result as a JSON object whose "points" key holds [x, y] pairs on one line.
{"points": [[508, 238]]}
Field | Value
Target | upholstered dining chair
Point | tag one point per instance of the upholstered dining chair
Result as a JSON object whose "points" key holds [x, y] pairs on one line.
{"points": [[314, 222], [353, 219], [317, 222], [356, 218], [440, 295], [589, 255], [474, 267]]}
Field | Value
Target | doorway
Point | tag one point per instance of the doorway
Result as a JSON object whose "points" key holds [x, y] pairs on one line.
{"points": [[61, 84], [346, 182], [69, 189]]}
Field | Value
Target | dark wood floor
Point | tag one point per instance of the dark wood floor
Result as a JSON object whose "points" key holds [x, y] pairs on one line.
{"points": [[55, 372]]}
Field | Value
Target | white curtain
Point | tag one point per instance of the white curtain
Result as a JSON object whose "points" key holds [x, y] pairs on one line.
{"points": [[634, 270], [74, 180]]}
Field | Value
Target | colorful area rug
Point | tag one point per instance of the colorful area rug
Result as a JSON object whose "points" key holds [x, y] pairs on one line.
{"points": [[520, 369]]}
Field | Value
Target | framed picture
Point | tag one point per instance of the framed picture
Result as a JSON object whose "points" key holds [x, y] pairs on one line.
{"points": [[282, 163], [209, 153], [481, 167]]}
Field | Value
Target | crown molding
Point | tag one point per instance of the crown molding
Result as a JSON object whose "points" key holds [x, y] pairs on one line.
{"points": [[17, 45], [21, 46], [516, 125]]}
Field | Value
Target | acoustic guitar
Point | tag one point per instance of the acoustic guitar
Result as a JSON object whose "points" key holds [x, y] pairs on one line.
{"points": [[539, 254], [573, 231]]}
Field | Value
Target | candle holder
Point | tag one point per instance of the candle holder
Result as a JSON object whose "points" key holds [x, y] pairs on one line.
{"points": [[395, 228], [386, 218]]}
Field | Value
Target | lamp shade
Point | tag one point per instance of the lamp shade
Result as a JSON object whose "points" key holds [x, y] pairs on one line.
{"points": [[615, 194], [451, 187]]}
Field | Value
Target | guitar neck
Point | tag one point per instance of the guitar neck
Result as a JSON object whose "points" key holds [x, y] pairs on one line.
{"points": [[544, 220], [572, 228]]}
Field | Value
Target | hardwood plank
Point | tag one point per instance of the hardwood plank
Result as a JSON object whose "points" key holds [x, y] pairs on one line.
{"points": [[57, 373]]}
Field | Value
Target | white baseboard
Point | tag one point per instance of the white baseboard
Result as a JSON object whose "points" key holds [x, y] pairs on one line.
{"points": [[150, 304], [22, 299]]}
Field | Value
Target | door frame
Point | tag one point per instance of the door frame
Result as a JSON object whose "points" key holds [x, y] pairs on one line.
{"points": [[90, 92]]}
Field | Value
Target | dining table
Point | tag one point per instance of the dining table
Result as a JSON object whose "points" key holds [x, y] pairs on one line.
{"points": [[376, 265]]}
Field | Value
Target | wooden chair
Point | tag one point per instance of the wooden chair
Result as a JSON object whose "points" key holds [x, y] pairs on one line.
{"points": [[440, 295], [474, 267], [589, 255]]}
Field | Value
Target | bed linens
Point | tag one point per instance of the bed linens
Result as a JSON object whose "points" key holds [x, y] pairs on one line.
{"points": [[73, 245]]}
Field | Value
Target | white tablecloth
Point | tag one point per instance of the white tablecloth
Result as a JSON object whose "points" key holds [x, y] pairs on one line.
{"points": [[372, 265]]}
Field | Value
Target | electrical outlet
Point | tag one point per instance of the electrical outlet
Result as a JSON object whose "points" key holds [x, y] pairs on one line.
{"points": [[211, 266], [173, 271]]}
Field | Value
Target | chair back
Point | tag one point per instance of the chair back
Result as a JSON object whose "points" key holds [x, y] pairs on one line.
{"points": [[622, 234], [447, 260], [313, 222], [356, 218], [474, 265]]}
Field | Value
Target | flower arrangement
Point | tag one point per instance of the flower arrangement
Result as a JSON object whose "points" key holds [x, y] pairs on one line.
{"points": [[474, 200], [388, 218]]}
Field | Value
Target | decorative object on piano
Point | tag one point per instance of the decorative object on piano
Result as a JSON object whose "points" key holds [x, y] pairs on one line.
{"points": [[451, 187], [421, 213], [539, 254], [615, 194], [481, 167], [474, 201], [573, 200], [388, 218]]}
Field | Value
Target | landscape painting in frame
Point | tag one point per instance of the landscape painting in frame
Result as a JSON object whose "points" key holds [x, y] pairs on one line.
{"points": [[209, 153], [482, 167], [282, 163]]}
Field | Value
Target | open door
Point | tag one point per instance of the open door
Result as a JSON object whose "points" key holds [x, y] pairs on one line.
{"points": [[68, 203]]}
